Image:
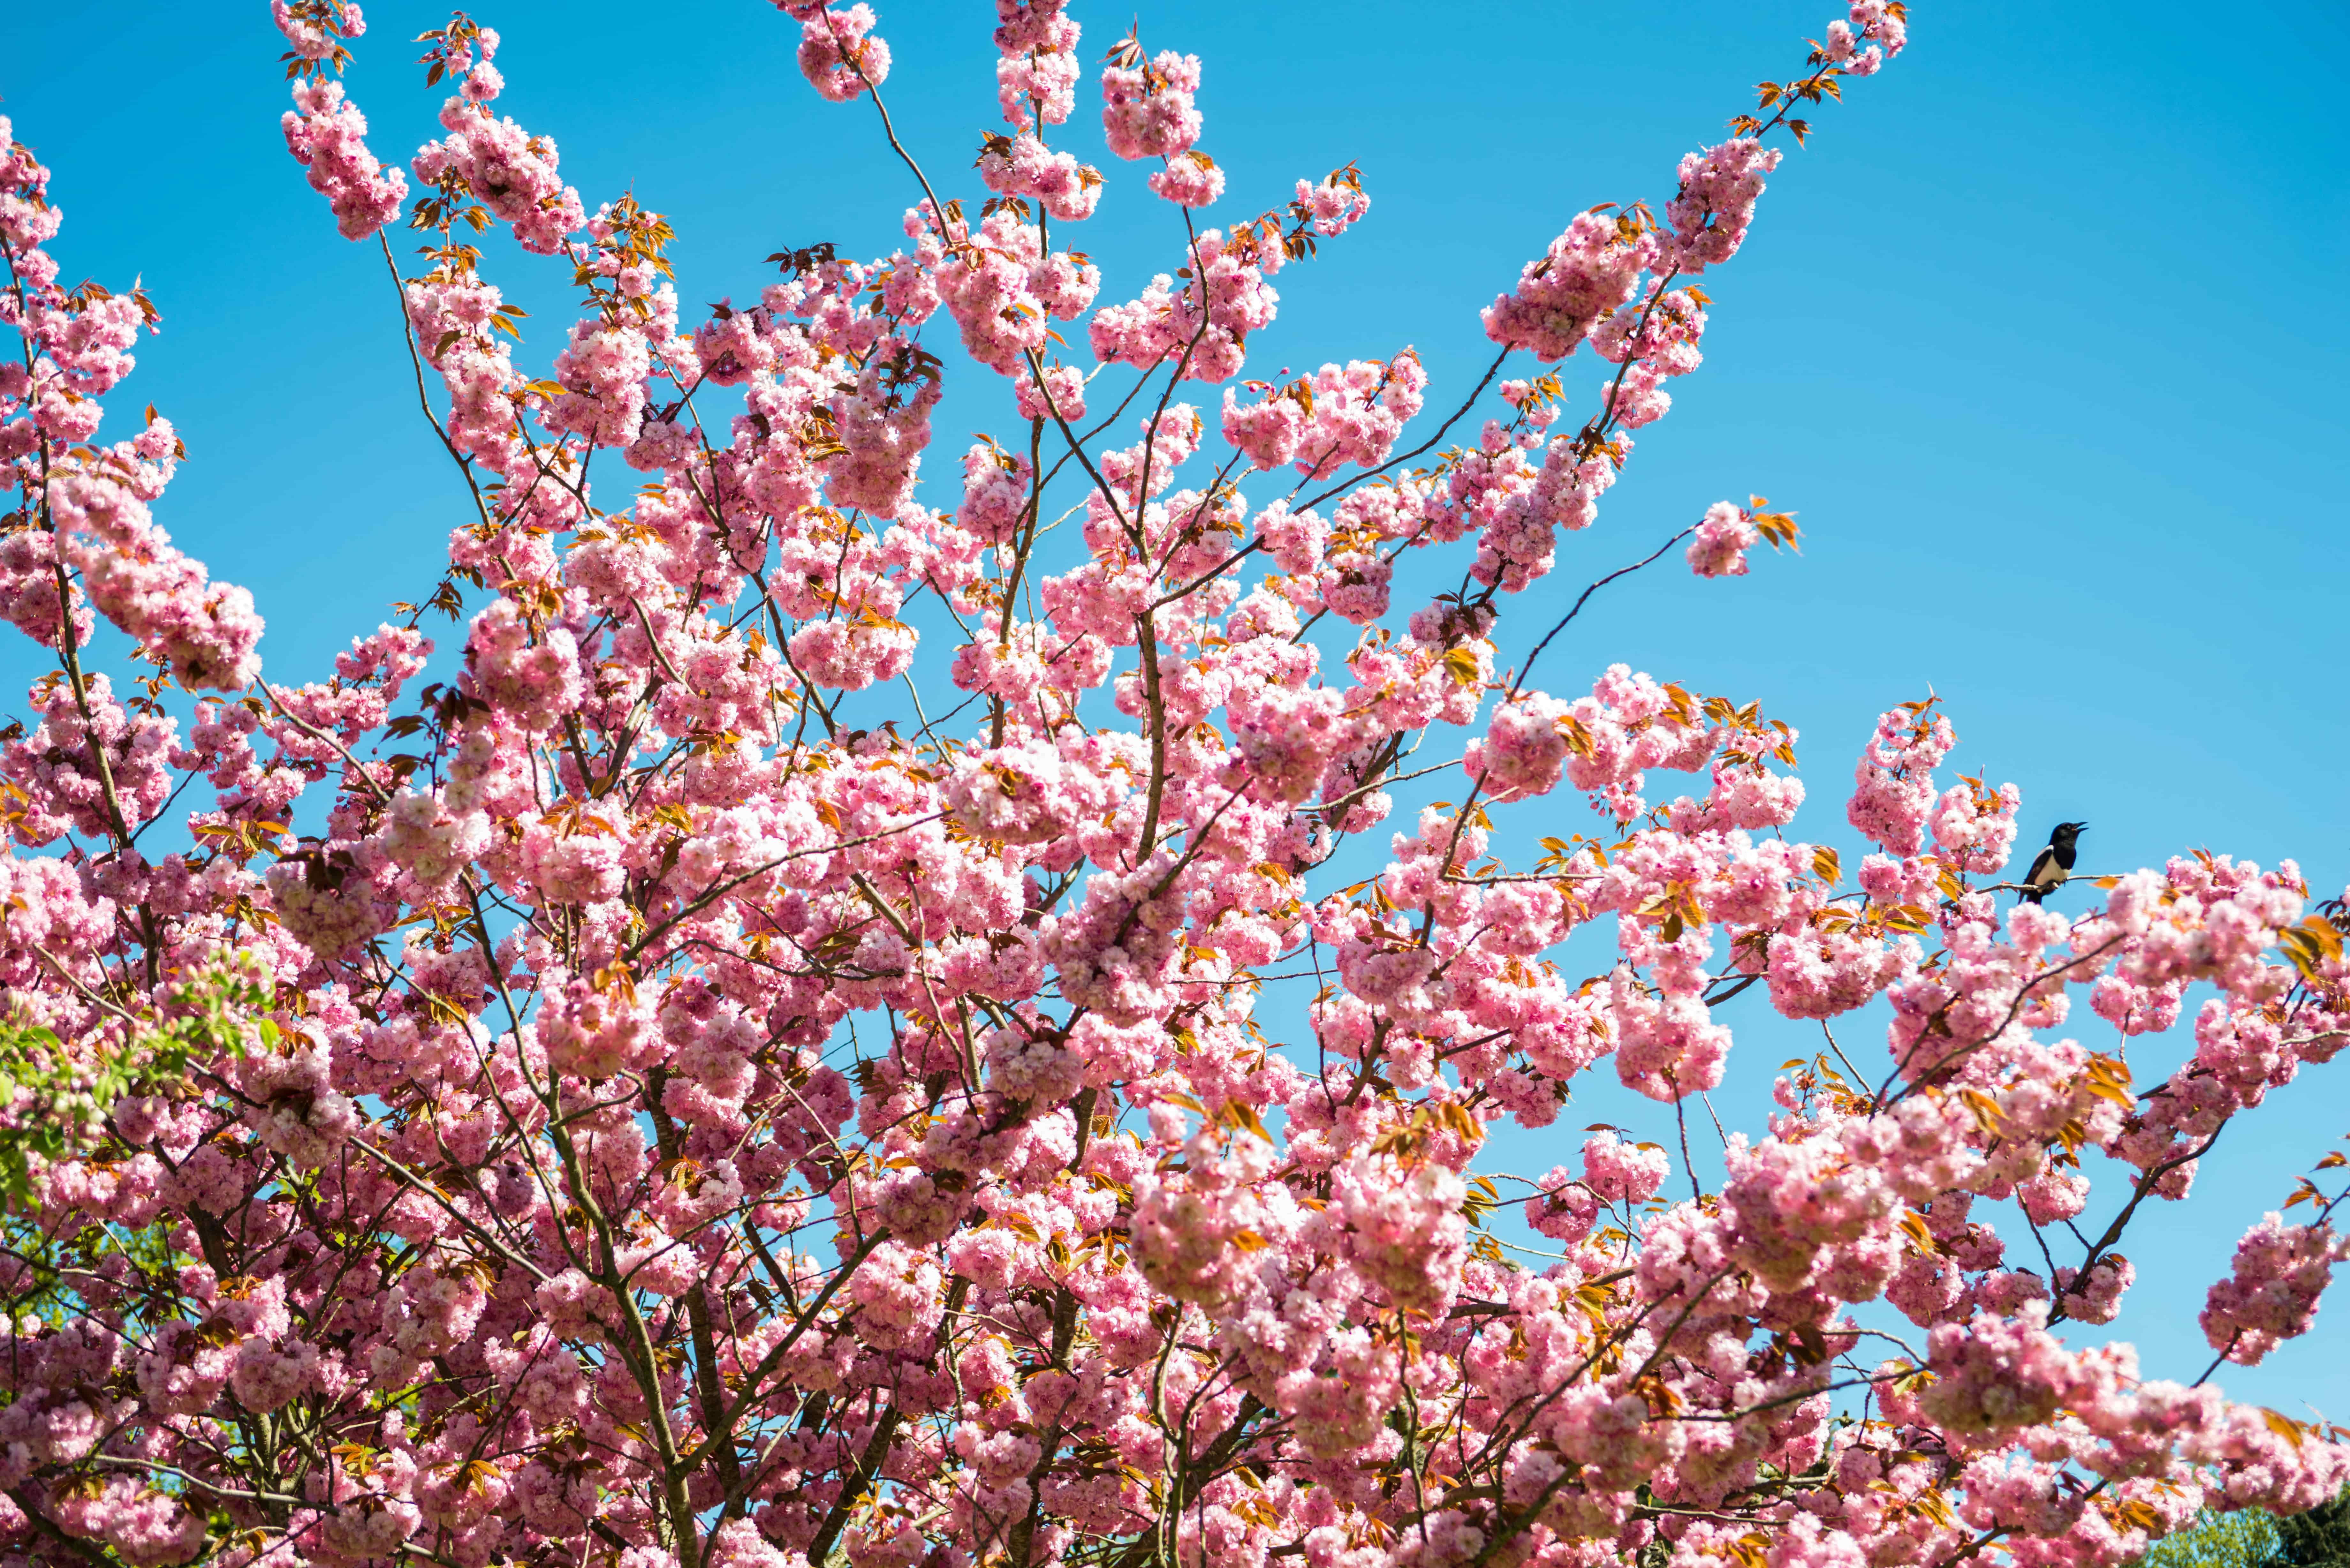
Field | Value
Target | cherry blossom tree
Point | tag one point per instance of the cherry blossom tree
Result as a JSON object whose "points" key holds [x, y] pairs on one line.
{"points": [[607, 1107]]}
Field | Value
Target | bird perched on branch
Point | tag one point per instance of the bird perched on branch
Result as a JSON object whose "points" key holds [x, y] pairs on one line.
{"points": [[2053, 865]]}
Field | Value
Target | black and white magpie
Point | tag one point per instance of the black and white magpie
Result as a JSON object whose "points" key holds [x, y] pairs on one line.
{"points": [[2053, 865]]}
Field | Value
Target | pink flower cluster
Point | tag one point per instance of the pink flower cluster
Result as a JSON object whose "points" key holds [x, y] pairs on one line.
{"points": [[1334, 205], [1202, 327], [840, 54], [1563, 296], [1036, 79], [1875, 32], [2270, 1294], [1341, 415], [1024, 167], [327, 134], [206, 633], [1189, 179], [1147, 108], [1894, 782], [1652, 342], [1715, 204], [674, 1090], [1723, 536], [1005, 290], [510, 171]]}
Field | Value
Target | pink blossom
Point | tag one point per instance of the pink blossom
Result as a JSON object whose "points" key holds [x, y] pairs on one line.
{"points": [[840, 54], [1715, 204], [1723, 537], [2270, 1294], [1894, 781], [1148, 110], [1589, 272], [1189, 179], [326, 134], [676, 1085]]}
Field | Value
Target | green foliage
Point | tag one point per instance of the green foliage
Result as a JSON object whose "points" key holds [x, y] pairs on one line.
{"points": [[2318, 1539], [57, 1095], [2247, 1539]]}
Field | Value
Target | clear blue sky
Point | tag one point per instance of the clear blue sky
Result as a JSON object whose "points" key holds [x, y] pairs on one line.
{"points": [[2042, 335]]}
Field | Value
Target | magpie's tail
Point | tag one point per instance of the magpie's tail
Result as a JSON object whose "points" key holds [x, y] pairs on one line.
{"points": [[2034, 895]]}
